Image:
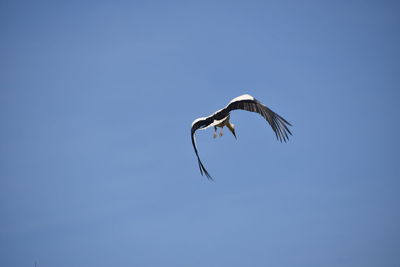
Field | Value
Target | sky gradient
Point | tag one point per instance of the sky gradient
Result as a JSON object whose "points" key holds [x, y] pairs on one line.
{"points": [[96, 162]]}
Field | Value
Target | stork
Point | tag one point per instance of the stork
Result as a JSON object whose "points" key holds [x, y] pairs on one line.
{"points": [[221, 118]]}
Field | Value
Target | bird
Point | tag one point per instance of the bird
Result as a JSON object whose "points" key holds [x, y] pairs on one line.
{"points": [[221, 118]]}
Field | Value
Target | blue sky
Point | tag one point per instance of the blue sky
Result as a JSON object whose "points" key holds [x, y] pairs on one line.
{"points": [[96, 162]]}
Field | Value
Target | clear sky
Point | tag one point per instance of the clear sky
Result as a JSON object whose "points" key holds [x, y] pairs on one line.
{"points": [[96, 163]]}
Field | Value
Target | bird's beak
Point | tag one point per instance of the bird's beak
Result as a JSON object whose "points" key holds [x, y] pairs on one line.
{"points": [[231, 127]]}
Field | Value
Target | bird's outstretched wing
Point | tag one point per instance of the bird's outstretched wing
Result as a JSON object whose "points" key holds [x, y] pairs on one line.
{"points": [[249, 103], [199, 124], [244, 102]]}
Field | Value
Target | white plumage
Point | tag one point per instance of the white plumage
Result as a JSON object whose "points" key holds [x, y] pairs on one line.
{"points": [[221, 118]]}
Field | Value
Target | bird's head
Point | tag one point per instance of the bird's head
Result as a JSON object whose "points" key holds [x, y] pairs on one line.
{"points": [[231, 127]]}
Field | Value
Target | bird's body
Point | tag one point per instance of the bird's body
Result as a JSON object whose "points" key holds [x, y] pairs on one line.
{"points": [[221, 124], [221, 119]]}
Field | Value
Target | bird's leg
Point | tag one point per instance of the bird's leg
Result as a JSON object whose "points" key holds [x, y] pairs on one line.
{"points": [[215, 132], [221, 133]]}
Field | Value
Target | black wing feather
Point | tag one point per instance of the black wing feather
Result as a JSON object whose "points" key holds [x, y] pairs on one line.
{"points": [[198, 125], [278, 124]]}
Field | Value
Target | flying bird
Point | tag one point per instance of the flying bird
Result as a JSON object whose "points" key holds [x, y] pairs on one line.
{"points": [[221, 118]]}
